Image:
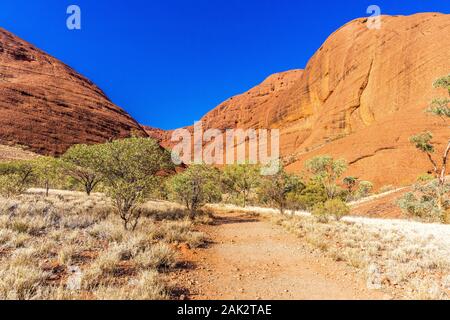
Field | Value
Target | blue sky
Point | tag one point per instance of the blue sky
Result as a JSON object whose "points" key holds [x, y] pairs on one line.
{"points": [[168, 62]]}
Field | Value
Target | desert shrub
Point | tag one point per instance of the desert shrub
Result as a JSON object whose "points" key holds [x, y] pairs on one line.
{"points": [[280, 188], [331, 208], [80, 163], [157, 256], [129, 168], [195, 187], [16, 177], [47, 171], [424, 202], [364, 189], [240, 180], [350, 183], [327, 171], [20, 282], [307, 198], [424, 143], [147, 286], [180, 232], [11, 185]]}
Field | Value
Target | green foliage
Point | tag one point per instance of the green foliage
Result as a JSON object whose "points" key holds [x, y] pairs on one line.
{"points": [[307, 198], [327, 171], [430, 201], [422, 142], [364, 189], [443, 83], [350, 182], [331, 208], [279, 188], [129, 169], [425, 202], [81, 162], [16, 177], [439, 107], [47, 171], [196, 186], [240, 180]]}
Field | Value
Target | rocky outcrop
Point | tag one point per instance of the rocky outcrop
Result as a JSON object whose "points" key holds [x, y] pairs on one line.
{"points": [[360, 97], [47, 106], [162, 136]]}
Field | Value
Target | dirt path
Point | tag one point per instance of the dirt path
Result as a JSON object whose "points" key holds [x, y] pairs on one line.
{"points": [[253, 259]]}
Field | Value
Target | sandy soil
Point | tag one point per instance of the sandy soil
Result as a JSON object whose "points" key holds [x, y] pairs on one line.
{"points": [[380, 206], [250, 258]]}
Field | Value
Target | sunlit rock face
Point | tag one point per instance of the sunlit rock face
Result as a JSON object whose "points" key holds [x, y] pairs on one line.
{"points": [[360, 97], [47, 106]]}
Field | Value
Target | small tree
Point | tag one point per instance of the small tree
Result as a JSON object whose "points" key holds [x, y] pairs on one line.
{"points": [[327, 171], [81, 163], [278, 188], [306, 199], [364, 189], [47, 170], [350, 182], [241, 180], [334, 207], [16, 177], [130, 168], [425, 202], [423, 141], [195, 186]]}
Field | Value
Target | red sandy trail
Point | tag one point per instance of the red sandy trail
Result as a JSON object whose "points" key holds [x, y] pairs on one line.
{"points": [[251, 258]]}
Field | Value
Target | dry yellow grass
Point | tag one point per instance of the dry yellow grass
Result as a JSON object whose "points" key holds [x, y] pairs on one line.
{"points": [[71, 246], [393, 261], [8, 153]]}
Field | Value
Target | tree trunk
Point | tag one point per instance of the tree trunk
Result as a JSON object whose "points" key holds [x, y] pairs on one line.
{"points": [[442, 178], [192, 213], [47, 187], [88, 189], [444, 166], [435, 167]]}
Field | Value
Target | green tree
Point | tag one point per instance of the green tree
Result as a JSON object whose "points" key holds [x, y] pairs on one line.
{"points": [[364, 189], [350, 182], [81, 163], [278, 189], [425, 202], [130, 169], [327, 171], [306, 199], [194, 187], [241, 180], [16, 177], [423, 142], [333, 207], [47, 171]]}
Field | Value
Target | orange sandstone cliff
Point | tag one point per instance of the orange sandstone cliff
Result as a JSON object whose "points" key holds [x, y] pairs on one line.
{"points": [[360, 97], [46, 106]]}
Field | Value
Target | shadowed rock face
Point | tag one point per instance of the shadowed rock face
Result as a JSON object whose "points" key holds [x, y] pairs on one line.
{"points": [[47, 106], [360, 97]]}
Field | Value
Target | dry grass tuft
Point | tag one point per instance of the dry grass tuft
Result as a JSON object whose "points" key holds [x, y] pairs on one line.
{"points": [[71, 246], [406, 264]]}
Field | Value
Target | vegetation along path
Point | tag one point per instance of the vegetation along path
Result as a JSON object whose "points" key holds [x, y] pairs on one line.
{"points": [[251, 258]]}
